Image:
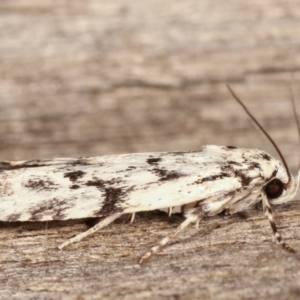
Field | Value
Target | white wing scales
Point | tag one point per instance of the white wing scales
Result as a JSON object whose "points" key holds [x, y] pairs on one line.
{"points": [[62, 189]]}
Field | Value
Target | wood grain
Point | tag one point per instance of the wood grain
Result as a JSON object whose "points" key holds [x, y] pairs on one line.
{"points": [[86, 78]]}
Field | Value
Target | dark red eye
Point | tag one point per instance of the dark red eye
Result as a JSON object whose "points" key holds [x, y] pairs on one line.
{"points": [[274, 189]]}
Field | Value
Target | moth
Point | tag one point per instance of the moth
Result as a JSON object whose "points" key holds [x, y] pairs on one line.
{"points": [[202, 183]]}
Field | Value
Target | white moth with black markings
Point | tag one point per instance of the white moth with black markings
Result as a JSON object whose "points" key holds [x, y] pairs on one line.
{"points": [[203, 183]]}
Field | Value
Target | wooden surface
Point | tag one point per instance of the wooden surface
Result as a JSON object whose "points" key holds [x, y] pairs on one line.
{"points": [[86, 78]]}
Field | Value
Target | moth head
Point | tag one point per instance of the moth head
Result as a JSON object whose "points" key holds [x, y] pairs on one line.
{"points": [[282, 187]]}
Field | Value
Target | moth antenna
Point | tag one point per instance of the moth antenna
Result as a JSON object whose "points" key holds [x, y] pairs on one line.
{"points": [[298, 125], [262, 129], [277, 235]]}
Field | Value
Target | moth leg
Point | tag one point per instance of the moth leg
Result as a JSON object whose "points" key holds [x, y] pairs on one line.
{"points": [[197, 223], [132, 218], [277, 235], [170, 209], [97, 227], [190, 219]]}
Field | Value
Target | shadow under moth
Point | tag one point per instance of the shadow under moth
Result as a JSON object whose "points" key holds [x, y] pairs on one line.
{"points": [[202, 183]]}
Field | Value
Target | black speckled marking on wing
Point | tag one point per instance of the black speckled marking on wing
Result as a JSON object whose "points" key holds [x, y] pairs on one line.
{"points": [[49, 208], [166, 175], [74, 187], [102, 184], [182, 153], [153, 160], [112, 195], [261, 155], [13, 218], [74, 175], [81, 162], [244, 179], [231, 162], [254, 165], [40, 185], [212, 178], [265, 156], [241, 174], [130, 168]]}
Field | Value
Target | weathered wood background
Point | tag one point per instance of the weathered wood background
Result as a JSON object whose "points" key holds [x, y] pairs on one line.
{"points": [[85, 78]]}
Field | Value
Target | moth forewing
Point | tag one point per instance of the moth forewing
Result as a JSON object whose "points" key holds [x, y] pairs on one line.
{"points": [[100, 186]]}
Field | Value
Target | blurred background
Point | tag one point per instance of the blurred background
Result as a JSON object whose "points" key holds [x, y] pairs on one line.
{"points": [[86, 78]]}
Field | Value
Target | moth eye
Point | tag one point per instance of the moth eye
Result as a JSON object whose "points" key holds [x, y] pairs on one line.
{"points": [[274, 189]]}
